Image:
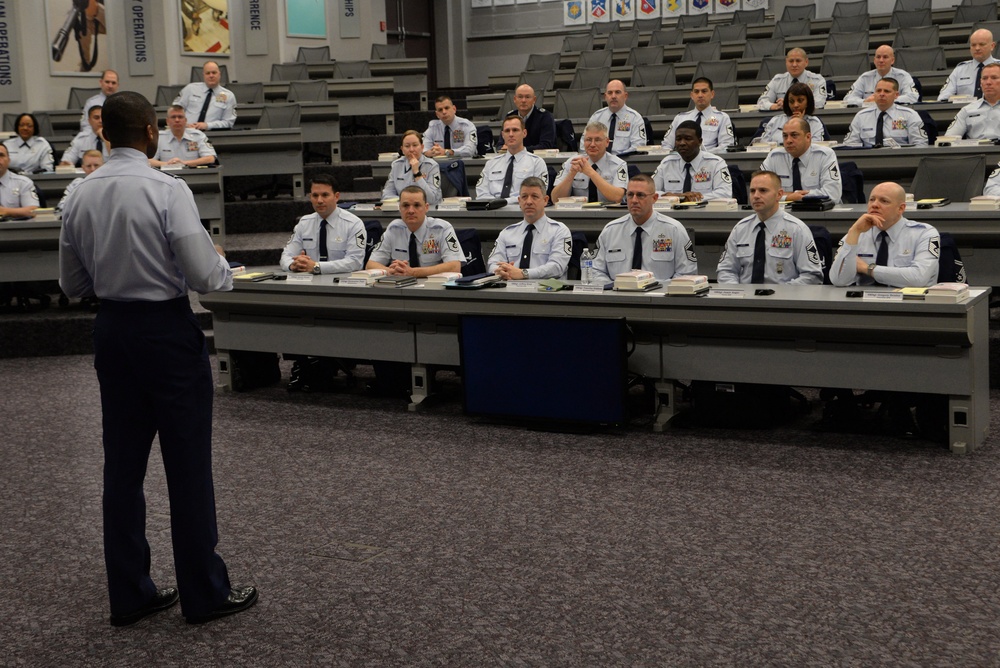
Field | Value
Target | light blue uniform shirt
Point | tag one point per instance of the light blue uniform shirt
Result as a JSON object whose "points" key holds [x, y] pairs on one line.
{"points": [[463, 136], [709, 175], [611, 168], [780, 83], [193, 144], [345, 242], [977, 120], [902, 124], [791, 253], [17, 191], [551, 248], [132, 233], [962, 80], [817, 166], [667, 250], [630, 130], [436, 243], [525, 164], [772, 131], [34, 157], [914, 252], [221, 114], [864, 87], [401, 176], [717, 131], [84, 141]]}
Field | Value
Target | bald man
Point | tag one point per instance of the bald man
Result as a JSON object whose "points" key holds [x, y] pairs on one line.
{"points": [[626, 129], [863, 90], [207, 104], [964, 79], [796, 62], [885, 248], [538, 122]]}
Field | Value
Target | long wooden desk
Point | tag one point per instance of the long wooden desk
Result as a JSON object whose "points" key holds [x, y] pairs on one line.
{"points": [[356, 97], [977, 233], [29, 249], [409, 75], [205, 184], [801, 336]]}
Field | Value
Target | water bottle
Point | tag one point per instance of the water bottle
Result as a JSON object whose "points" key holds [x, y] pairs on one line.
{"points": [[587, 266]]}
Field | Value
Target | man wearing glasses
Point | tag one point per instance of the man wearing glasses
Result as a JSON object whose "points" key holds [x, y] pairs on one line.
{"points": [[644, 239], [598, 175]]}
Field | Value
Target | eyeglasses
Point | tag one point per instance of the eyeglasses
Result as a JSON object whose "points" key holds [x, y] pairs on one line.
{"points": [[638, 196]]}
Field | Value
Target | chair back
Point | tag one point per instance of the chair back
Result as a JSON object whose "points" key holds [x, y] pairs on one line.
{"points": [[165, 95], [799, 12], [856, 8], [748, 16], [646, 102], [921, 58], [654, 75], [197, 74], [799, 28], [352, 69], [577, 103], [719, 71], [315, 90], [918, 36], [702, 51], [275, 116], [289, 72], [845, 64], [644, 55], [959, 178], [77, 96], [734, 32], [911, 19], [313, 54], [247, 93], [544, 61], [572, 43], [667, 37], [594, 59], [765, 46], [591, 77], [856, 23], [975, 13], [388, 51], [540, 80]]}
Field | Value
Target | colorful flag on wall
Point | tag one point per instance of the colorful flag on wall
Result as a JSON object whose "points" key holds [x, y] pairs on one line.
{"points": [[573, 13], [598, 11], [624, 10], [648, 9]]}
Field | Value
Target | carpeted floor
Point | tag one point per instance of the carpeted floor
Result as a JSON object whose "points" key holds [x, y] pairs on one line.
{"points": [[380, 537]]}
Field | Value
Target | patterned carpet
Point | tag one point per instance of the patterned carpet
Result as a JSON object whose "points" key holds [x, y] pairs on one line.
{"points": [[380, 537]]}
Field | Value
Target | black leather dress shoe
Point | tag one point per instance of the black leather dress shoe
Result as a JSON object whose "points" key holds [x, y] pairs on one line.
{"points": [[162, 600], [239, 599]]}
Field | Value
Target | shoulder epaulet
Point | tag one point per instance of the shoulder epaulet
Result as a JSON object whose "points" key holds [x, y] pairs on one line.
{"points": [[747, 219]]}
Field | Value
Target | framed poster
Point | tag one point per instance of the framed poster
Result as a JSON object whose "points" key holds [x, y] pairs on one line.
{"points": [[77, 33], [205, 27], [306, 18]]}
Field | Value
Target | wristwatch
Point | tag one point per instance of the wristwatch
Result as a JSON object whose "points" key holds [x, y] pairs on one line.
{"points": [[871, 268], [524, 273], [315, 269], [417, 174]]}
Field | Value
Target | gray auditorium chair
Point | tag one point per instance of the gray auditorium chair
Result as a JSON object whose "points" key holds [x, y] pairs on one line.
{"points": [[594, 59], [314, 90], [959, 178], [798, 12], [918, 36], [313, 54], [541, 80], [748, 16], [653, 75], [289, 72], [796, 28], [736, 32], [165, 95], [275, 116], [910, 19], [506, 106], [921, 58], [688, 21], [247, 93], [644, 55], [974, 13], [727, 96], [352, 69], [766, 46], [572, 43], [851, 24], [544, 61], [621, 40], [770, 66], [388, 51], [702, 51], [198, 75], [647, 25], [605, 28], [645, 101], [719, 71], [77, 96], [846, 64], [910, 5], [591, 77], [856, 8], [577, 103], [846, 42], [666, 37]]}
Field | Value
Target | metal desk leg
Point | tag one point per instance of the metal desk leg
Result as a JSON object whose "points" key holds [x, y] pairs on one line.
{"points": [[668, 394], [420, 379]]}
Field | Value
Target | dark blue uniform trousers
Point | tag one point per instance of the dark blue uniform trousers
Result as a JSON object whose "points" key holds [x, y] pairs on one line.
{"points": [[152, 364]]}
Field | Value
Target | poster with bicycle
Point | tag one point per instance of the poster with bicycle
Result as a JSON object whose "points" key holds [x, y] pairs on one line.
{"points": [[77, 34]]}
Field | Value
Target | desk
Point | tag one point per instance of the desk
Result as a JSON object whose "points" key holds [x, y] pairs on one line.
{"points": [[802, 335], [205, 183], [977, 233], [29, 249], [409, 75], [319, 122], [356, 97], [257, 152]]}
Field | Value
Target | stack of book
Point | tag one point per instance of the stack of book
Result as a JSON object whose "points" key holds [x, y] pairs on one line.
{"points": [[443, 277], [728, 204], [691, 284], [947, 293], [394, 281], [636, 281], [370, 275], [984, 203]]}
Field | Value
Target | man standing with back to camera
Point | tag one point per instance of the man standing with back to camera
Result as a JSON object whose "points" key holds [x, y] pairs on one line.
{"points": [[132, 236]]}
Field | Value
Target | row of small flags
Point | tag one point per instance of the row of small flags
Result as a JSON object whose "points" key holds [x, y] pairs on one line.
{"points": [[581, 12]]}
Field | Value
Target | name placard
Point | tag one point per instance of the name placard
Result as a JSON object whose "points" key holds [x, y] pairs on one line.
{"points": [[522, 286], [879, 296], [588, 290], [354, 282], [728, 293]]}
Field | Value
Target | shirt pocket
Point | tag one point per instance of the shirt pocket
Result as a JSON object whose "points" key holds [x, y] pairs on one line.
{"points": [[902, 261], [780, 253], [310, 243], [614, 255]]}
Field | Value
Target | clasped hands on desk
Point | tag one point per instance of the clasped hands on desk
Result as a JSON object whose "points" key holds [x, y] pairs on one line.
{"points": [[812, 336]]}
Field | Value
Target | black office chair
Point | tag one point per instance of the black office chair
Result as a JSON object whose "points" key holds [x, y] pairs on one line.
{"points": [[247, 93], [735, 32], [851, 24], [373, 234], [666, 37], [644, 55], [289, 72], [576, 103], [855, 8], [917, 36], [165, 95], [690, 21], [544, 61], [764, 47], [388, 51], [77, 96], [472, 247], [653, 75], [577, 43], [958, 178], [621, 41], [594, 59], [847, 42], [579, 243], [593, 77], [352, 69], [718, 71], [800, 28], [824, 246], [748, 16], [316, 90], [853, 183], [975, 13], [911, 19], [540, 81], [799, 12]]}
